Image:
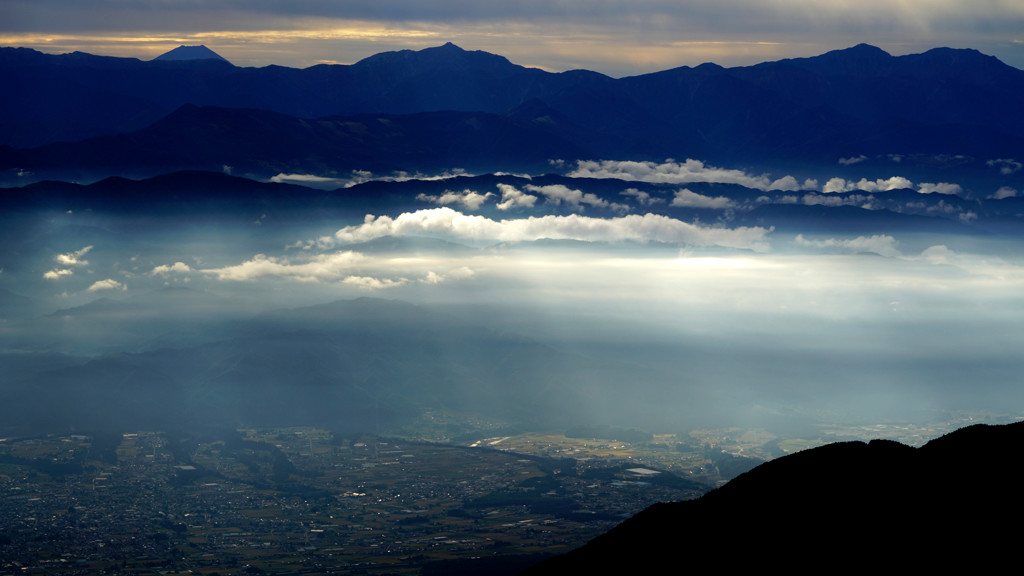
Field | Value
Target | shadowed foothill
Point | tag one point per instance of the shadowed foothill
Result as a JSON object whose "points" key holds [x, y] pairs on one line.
{"points": [[848, 506]]}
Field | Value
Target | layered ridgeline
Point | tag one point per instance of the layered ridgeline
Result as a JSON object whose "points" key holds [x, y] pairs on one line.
{"points": [[685, 192], [848, 507], [445, 107]]}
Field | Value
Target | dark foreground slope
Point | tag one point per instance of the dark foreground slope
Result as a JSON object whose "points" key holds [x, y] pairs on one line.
{"points": [[845, 507]]}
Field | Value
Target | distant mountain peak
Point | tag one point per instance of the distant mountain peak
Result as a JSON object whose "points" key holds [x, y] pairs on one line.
{"points": [[190, 53], [859, 52], [859, 60], [709, 67], [866, 49], [435, 57]]}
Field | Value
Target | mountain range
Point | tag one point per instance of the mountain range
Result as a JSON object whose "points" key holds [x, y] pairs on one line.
{"points": [[84, 116], [226, 198]]}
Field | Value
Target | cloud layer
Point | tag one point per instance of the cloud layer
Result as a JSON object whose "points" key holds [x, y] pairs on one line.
{"points": [[448, 223], [670, 172]]}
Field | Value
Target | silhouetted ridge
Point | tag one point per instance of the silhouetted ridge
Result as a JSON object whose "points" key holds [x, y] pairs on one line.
{"points": [[860, 52], [709, 67], [846, 507], [855, 102], [424, 61]]}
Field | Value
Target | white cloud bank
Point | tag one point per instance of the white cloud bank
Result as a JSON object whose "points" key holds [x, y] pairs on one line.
{"points": [[74, 258], [356, 177], [448, 223], [177, 267], [670, 172], [1004, 192], [108, 284], [322, 267], [371, 283], [836, 185], [471, 199], [58, 273], [642, 198], [558, 194], [346, 268], [852, 160], [865, 201], [1006, 166], [310, 180], [881, 244], [939, 188], [511, 198], [687, 199], [865, 185]]}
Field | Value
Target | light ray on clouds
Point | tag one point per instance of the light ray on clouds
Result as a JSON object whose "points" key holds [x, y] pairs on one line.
{"points": [[370, 283], [347, 268], [459, 273], [984, 274], [319, 268], [833, 278], [448, 223]]}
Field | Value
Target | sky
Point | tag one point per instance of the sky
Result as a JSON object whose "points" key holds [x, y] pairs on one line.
{"points": [[615, 37]]}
